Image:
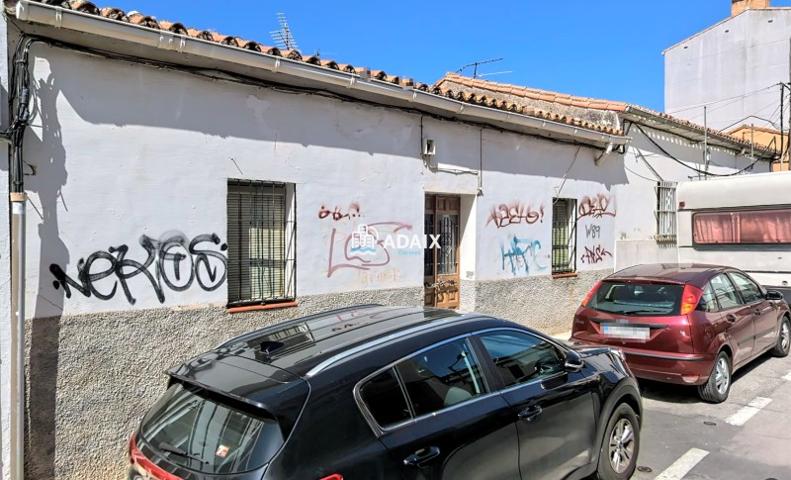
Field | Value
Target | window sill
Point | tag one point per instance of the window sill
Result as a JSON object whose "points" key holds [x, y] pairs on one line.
{"points": [[259, 308], [558, 276]]}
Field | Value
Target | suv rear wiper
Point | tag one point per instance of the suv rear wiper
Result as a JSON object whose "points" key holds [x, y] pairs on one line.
{"points": [[166, 447]]}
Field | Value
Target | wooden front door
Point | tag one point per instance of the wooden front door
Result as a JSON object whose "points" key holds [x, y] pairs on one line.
{"points": [[441, 265]]}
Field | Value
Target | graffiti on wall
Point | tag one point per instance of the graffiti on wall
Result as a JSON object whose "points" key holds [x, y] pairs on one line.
{"points": [[599, 206], [593, 211], [515, 213], [346, 250], [595, 254], [175, 263], [337, 213], [521, 255], [592, 231]]}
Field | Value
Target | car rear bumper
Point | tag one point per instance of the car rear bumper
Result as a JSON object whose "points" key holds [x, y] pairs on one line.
{"points": [[670, 367]]}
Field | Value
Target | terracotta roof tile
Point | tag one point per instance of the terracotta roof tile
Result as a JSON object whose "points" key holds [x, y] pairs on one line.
{"points": [[85, 7], [143, 20], [138, 18]]}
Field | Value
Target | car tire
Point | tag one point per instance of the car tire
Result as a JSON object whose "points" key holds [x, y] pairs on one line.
{"points": [[783, 345], [626, 451], [718, 386]]}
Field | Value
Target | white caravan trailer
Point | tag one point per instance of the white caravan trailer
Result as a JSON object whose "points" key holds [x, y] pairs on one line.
{"points": [[743, 222]]}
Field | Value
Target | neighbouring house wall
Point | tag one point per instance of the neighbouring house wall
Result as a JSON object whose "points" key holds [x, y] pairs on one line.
{"points": [[738, 63], [126, 156], [645, 165]]}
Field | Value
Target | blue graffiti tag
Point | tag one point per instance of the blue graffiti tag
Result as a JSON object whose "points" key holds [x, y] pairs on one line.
{"points": [[520, 254]]}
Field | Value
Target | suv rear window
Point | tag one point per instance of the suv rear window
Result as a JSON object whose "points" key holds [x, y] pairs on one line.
{"points": [[200, 433], [637, 298]]}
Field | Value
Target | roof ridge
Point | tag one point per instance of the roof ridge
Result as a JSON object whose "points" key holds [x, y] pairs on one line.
{"points": [[520, 89], [579, 102]]}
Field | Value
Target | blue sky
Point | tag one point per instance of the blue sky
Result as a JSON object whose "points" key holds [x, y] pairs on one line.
{"points": [[600, 48]]}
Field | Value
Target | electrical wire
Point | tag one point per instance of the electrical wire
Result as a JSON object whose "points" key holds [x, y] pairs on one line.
{"points": [[652, 180], [737, 97], [19, 107], [696, 170], [770, 120]]}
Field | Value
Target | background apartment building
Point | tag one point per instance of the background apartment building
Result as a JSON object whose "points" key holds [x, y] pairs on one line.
{"points": [[729, 75]]}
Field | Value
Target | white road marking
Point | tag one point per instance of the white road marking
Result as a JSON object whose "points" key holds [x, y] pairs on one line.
{"points": [[787, 378], [747, 412], [683, 465]]}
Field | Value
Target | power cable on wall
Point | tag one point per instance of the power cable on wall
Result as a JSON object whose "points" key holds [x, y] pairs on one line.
{"points": [[696, 170], [566, 174]]}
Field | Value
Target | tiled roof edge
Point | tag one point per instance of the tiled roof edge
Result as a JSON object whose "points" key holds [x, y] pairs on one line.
{"points": [[177, 28]]}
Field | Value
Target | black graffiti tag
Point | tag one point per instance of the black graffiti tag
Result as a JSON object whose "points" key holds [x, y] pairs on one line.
{"points": [[178, 263]]}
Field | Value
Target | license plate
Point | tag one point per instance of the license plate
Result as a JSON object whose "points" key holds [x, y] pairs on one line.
{"points": [[627, 332]]}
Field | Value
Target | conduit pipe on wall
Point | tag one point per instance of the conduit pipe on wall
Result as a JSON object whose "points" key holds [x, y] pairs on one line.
{"points": [[17, 383], [19, 109], [83, 22]]}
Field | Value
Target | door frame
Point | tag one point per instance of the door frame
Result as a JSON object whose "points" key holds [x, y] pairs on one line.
{"points": [[442, 290]]}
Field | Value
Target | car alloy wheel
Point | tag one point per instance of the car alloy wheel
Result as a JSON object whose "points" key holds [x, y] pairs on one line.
{"points": [[722, 376], [785, 336], [621, 445]]}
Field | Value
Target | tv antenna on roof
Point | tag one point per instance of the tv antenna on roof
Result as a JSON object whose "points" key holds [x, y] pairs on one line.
{"points": [[283, 37], [475, 65]]}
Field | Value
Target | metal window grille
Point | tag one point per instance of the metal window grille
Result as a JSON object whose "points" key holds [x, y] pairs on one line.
{"points": [[564, 233], [448, 262], [261, 242], [666, 211]]}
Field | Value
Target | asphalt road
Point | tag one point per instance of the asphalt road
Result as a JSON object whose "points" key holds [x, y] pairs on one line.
{"points": [[746, 438]]}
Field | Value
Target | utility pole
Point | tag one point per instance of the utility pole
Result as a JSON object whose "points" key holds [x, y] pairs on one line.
{"points": [[782, 120], [706, 140]]}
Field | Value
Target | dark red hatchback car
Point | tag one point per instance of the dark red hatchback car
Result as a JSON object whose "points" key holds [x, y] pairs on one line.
{"points": [[686, 324]]}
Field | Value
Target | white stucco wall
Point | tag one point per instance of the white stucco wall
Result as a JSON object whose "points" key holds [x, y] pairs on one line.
{"points": [[737, 63], [123, 150]]}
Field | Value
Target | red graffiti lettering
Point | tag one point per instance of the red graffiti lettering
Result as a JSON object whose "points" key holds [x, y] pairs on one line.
{"points": [[514, 214]]}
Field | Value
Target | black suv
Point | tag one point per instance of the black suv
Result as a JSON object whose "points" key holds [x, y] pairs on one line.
{"points": [[374, 392]]}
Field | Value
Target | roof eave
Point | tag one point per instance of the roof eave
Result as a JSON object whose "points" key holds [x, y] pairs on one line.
{"points": [[352, 84], [654, 120]]}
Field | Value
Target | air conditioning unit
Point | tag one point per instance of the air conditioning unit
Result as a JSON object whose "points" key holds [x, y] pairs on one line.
{"points": [[429, 147]]}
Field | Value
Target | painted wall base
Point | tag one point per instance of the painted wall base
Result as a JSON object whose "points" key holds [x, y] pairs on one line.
{"points": [[542, 303], [92, 377]]}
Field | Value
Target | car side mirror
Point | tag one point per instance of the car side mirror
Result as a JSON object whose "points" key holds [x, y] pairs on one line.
{"points": [[574, 362], [774, 295]]}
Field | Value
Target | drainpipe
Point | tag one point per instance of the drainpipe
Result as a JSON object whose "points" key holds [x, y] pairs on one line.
{"points": [[17, 384]]}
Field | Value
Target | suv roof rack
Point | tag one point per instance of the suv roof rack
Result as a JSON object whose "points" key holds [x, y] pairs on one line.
{"points": [[261, 331]]}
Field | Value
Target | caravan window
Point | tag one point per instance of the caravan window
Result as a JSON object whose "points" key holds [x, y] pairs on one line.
{"points": [[742, 227]]}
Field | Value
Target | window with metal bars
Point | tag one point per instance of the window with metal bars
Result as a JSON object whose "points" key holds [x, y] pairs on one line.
{"points": [[261, 242], [564, 233], [666, 211]]}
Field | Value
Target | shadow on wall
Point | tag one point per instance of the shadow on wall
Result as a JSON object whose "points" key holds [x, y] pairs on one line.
{"points": [[44, 333], [136, 94]]}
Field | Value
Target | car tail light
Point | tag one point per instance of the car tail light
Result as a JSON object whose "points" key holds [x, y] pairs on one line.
{"points": [[690, 299], [334, 476], [136, 457], [591, 293]]}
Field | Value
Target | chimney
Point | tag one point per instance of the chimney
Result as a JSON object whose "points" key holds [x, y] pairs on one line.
{"points": [[738, 6]]}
